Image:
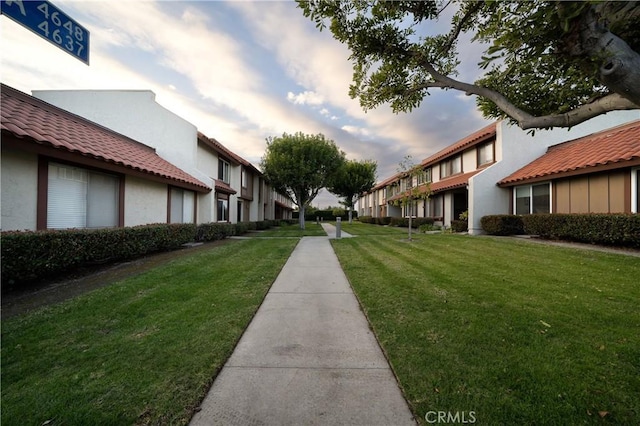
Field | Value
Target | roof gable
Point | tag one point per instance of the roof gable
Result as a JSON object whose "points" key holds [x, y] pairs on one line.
{"points": [[480, 136], [611, 148], [33, 120], [225, 152]]}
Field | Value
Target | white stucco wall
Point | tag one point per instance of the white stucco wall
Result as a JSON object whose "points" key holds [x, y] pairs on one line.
{"points": [[136, 114], [516, 148], [19, 174], [145, 202]]}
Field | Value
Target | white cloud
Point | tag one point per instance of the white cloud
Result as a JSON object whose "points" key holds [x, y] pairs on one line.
{"points": [[305, 98], [146, 45], [357, 131]]}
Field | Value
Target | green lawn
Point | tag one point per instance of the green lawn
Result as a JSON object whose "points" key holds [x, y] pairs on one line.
{"points": [[292, 231], [144, 350], [357, 228], [517, 333]]}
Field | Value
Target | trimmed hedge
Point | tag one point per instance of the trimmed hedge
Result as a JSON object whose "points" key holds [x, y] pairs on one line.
{"points": [[607, 229], [325, 215], [621, 230], [415, 222], [459, 226], [367, 219], [396, 221], [29, 256], [502, 224]]}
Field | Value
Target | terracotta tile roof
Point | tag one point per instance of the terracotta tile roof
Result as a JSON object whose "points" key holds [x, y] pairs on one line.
{"points": [[457, 181], [221, 186], [612, 148], [35, 121], [483, 135], [480, 136], [386, 182]]}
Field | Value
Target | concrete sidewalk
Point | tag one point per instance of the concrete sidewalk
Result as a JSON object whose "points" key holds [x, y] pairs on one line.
{"points": [[331, 231], [308, 356]]}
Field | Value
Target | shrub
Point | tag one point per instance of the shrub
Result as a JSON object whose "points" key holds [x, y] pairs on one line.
{"points": [[242, 228], [399, 221], [416, 222], [326, 215], [30, 256], [502, 224], [366, 219], [385, 220], [607, 229], [214, 231], [459, 226], [428, 227]]}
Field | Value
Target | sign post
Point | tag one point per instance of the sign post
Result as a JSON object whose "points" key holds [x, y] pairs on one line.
{"points": [[50, 23]]}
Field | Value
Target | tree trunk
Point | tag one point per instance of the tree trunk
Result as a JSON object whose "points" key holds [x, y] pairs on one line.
{"points": [[350, 207], [303, 208], [619, 64], [620, 71]]}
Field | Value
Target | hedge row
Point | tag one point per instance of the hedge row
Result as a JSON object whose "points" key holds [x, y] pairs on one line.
{"points": [[397, 221], [606, 229], [325, 215], [30, 256]]}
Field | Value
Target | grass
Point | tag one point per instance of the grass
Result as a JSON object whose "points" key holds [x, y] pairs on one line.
{"points": [[142, 351], [292, 231], [363, 229], [516, 333]]}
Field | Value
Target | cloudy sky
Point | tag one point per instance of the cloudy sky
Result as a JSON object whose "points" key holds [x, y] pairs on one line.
{"points": [[240, 71]]}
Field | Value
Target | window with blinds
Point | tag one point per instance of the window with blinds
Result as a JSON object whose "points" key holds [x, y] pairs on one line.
{"points": [[182, 206], [80, 198]]}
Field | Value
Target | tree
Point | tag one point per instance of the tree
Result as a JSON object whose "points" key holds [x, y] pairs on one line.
{"points": [[299, 165], [546, 63], [412, 187], [353, 179]]}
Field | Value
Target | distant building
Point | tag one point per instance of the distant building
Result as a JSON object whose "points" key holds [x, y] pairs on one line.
{"points": [[486, 173]]}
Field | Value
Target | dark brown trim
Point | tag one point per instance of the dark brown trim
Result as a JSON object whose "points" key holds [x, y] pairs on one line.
{"points": [[43, 189], [121, 193], [627, 191], [42, 198]]}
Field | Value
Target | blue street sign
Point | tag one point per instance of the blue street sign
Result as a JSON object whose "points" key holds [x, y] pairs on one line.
{"points": [[50, 23]]}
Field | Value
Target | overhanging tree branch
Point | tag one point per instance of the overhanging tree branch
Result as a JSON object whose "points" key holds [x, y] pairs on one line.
{"points": [[611, 102]]}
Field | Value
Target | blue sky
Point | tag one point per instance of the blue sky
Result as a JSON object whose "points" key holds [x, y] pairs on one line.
{"points": [[241, 71]]}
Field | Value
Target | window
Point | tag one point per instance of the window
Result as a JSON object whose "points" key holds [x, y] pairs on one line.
{"points": [[223, 170], [80, 198], [435, 206], [239, 213], [408, 182], [410, 209], [531, 199], [485, 154], [182, 208], [223, 208], [451, 167], [424, 177], [243, 178]]}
